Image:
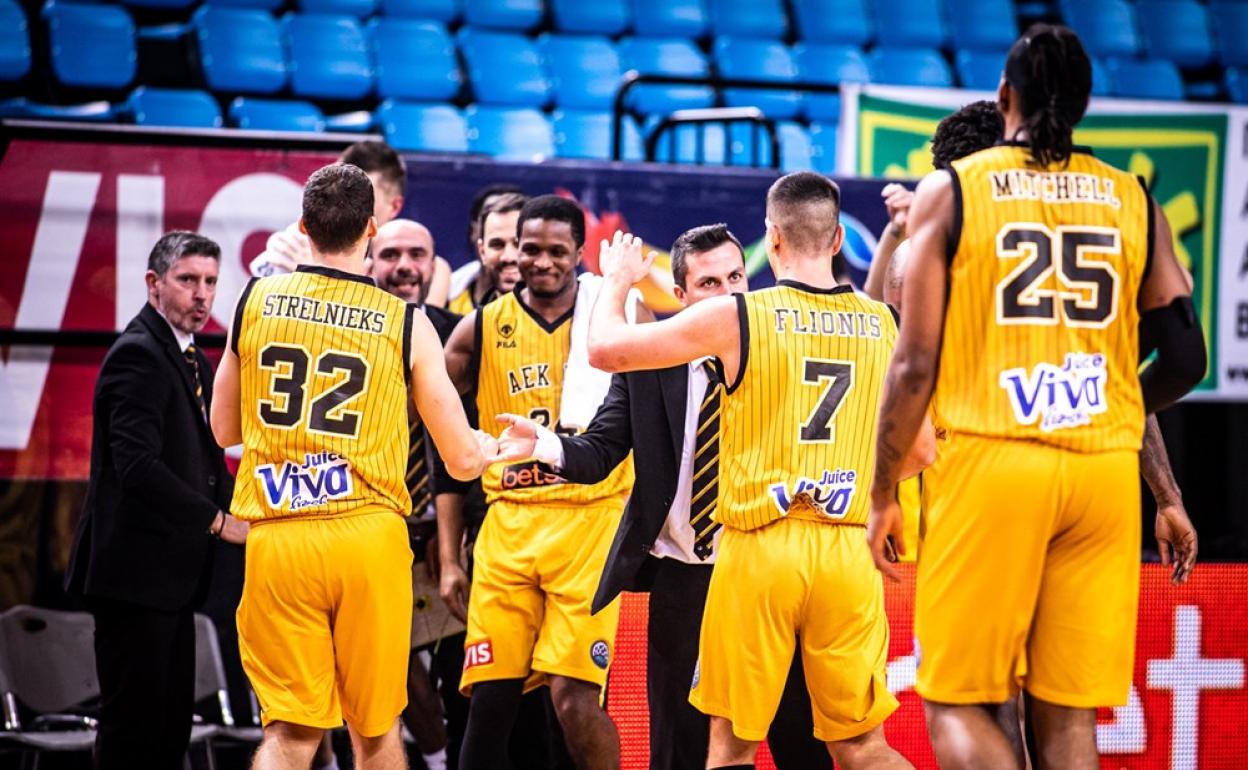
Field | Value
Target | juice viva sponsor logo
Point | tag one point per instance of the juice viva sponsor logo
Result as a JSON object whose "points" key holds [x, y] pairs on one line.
{"points": [[322, 477]]}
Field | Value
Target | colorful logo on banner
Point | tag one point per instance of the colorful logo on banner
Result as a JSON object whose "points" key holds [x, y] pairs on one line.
{"points": [[1179, 156]]}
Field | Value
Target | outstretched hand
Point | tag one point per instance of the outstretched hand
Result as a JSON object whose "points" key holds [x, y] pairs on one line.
{"points": [[622, 256], [518, 440]]}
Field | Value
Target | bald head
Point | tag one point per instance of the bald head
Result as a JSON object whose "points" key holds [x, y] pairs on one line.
{"points": [[402, 262], [806, 208]]}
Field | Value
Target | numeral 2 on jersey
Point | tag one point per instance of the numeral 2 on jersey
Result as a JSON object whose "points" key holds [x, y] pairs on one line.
{"points": [[289, 383], [840, 376], [1087, 288]]}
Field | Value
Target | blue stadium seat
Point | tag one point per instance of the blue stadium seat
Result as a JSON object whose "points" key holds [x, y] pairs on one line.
{"points": [[240, 50], [163, 4], [93, 112], [1237, 84], [758, 60], [910, 23], [909, 67], [274, 115], [356, 122], [989, 25], [91, 46], [833, 21], [980, 70], [679, 144], [504, 68], [360, 9], [509, 133], [603, 17], [262, 5], [823, 147], [795, 146], [329, 56], [1177, 30], [414, 59], [748, 18], [445, 11], [1101, 84], [1106, 27], [586, 134], [670, 18], [1152, 79], [173, 107], [1230, 26], [423, 127], [829, 63], [665, 57], [584, 71], [521, 15], [14, 42]]}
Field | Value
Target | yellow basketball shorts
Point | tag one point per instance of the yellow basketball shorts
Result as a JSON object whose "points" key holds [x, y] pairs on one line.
{"points": [[325, 619], [794, 579], [537, 568], [1029, 574]]}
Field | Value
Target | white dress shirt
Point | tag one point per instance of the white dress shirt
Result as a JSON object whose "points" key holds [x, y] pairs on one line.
{"points": [[184, 340], [675, 540]]}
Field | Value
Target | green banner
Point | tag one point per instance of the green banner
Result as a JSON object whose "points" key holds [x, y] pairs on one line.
{"points": [[1180, 157]]}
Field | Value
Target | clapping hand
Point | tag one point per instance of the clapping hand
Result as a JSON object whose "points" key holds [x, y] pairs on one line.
{"points": [[519, 439], [622, 257]]}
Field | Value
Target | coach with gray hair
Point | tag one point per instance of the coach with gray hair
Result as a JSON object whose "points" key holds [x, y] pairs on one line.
{"points": [[157, 498]]}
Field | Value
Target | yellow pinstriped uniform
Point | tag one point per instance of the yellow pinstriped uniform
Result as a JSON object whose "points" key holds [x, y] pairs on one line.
{"points": [[544, 542], [326, 608], [797, 450], [1034, 495], [461, 304]]}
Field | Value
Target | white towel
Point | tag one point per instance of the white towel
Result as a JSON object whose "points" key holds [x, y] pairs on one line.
{"points": [[584, 387], [462, 277]]}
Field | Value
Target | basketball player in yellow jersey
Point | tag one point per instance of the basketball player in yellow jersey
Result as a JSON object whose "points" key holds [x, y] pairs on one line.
{"points": [[313, 382], [803, 366], [544, 542], [1038, 278]]}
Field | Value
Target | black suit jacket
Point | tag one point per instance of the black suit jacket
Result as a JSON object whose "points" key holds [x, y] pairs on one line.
{"points": [[158, 477], [443, 320], [643, 411]]}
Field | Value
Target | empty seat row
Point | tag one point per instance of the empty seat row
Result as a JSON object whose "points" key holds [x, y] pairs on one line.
{"points": [[1185, 32]]}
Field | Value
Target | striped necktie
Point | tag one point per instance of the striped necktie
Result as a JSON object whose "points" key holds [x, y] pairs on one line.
{"points": [[193, 360], [704, 493], [418, 469]]}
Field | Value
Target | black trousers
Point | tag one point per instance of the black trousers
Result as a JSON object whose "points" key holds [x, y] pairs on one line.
{"points": [[145, 660], [679, 732]]}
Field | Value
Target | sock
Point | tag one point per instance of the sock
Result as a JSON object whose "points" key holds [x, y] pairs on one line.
{"points": [[436, 760]]}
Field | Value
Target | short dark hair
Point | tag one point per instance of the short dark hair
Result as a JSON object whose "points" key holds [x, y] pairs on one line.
{"points": [[175, 245], [337, 203], [699, 240], [555, 208], [502, 204], [807, 208], [1052, 74], [487, 192], [378, 157], [976, 126]]}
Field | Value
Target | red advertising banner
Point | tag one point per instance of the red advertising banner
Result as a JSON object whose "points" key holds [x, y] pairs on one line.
{"points": [[1188, 706]]}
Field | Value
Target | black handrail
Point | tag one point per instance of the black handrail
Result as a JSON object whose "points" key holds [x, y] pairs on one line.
{"points": [[73, 338], [725, 115], [633, 78]]}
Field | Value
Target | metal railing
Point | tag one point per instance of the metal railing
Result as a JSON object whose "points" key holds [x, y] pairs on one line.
{"points": [[632, 79]]}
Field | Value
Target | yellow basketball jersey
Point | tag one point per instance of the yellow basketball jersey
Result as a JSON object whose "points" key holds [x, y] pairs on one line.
{"points": [[1041, 325], [323, 372], [801, 418], [461, 304], [520, 363]]}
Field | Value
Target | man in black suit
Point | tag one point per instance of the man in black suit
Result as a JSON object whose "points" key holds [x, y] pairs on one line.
{"points": [[157, 497], [660, 548]]}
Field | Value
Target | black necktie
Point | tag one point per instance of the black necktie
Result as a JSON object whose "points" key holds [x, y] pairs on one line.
{"points": [[193, 360], [418, 469], [704, 493]]}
